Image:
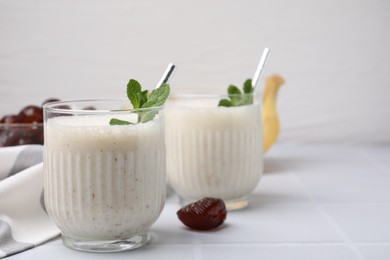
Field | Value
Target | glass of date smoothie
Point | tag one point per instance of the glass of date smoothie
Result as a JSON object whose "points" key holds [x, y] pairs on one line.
{"points": [[214, 150], [104, 184]]}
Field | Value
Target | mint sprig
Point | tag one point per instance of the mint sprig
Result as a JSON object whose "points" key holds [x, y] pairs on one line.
{"points": [[238, 97], [142, 99]]}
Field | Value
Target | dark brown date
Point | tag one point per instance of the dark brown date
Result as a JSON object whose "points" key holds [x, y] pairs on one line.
{"points": [[31, 114], [49, 100], [31, 133], [10, 119]]}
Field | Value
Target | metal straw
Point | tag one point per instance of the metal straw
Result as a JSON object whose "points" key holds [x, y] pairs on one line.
{"points": [[260, 68], [167, 74]]}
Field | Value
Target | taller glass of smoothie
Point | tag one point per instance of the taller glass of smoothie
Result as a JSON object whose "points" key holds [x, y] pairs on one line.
{"points": [[104, 185], [213, 151]]}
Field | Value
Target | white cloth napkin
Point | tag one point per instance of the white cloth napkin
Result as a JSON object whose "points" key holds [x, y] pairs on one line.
{"points": [[24, 222]]}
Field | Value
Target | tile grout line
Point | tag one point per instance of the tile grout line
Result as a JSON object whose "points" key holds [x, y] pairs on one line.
{"points": [[327, 217]]}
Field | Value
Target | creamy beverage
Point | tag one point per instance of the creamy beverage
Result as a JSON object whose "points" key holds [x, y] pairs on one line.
{"points": [[213, 151], [103, 182]]}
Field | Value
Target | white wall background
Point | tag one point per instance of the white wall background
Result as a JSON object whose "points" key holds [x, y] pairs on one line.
{"points": [[333, 54]]}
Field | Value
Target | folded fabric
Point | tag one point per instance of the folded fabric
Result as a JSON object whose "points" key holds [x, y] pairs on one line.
{"points": [[24, 222]]}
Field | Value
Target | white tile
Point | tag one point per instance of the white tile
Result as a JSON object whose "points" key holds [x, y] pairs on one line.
{"points": [[379, 155], [201, 251], [309, 158], [362, 223], [350, 185], [375, 252], [380, 152], [265, 223], [150, 251], [278, 188], [310, 154], [278, 251], [342, 178]]}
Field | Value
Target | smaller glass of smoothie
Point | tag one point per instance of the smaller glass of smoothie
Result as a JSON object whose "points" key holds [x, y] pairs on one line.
{"points": [[214, 151], [104, 185]]}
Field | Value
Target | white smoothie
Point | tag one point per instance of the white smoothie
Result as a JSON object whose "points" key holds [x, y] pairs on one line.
{"points": [[103, 182], [213, 151]]}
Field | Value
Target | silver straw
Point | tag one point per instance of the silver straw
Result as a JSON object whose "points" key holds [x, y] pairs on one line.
{"points": [[167, 74], [260, 68]]}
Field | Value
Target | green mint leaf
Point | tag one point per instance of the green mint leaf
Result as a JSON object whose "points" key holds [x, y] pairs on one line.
{"points": [[248, 88], [233, 90], [238, 98], [115, 121], [225, 103], [234, 95], [155, 99], [247, 100], [142, 99], [158, 96], [146, 116], [134, 93]]}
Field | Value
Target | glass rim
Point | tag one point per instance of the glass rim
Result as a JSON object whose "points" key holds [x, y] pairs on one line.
{"points": [[186, 95], [51, 107], [182, 100]]}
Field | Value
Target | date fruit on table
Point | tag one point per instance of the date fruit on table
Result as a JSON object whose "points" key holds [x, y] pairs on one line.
{"points": [[204, 214]]}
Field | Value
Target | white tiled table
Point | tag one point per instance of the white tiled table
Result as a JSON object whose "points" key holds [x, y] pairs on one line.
{"points": [[313, 202]]}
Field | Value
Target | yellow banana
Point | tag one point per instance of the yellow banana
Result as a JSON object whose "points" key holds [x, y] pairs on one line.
{"points": [[269, 112]]}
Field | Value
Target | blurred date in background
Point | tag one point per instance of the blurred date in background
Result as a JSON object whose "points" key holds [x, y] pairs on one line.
{"points": [[25, 127]]}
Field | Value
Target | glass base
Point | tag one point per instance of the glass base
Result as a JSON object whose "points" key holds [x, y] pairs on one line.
{"points": [[237, 204], [231, 205], [106, 246]]}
